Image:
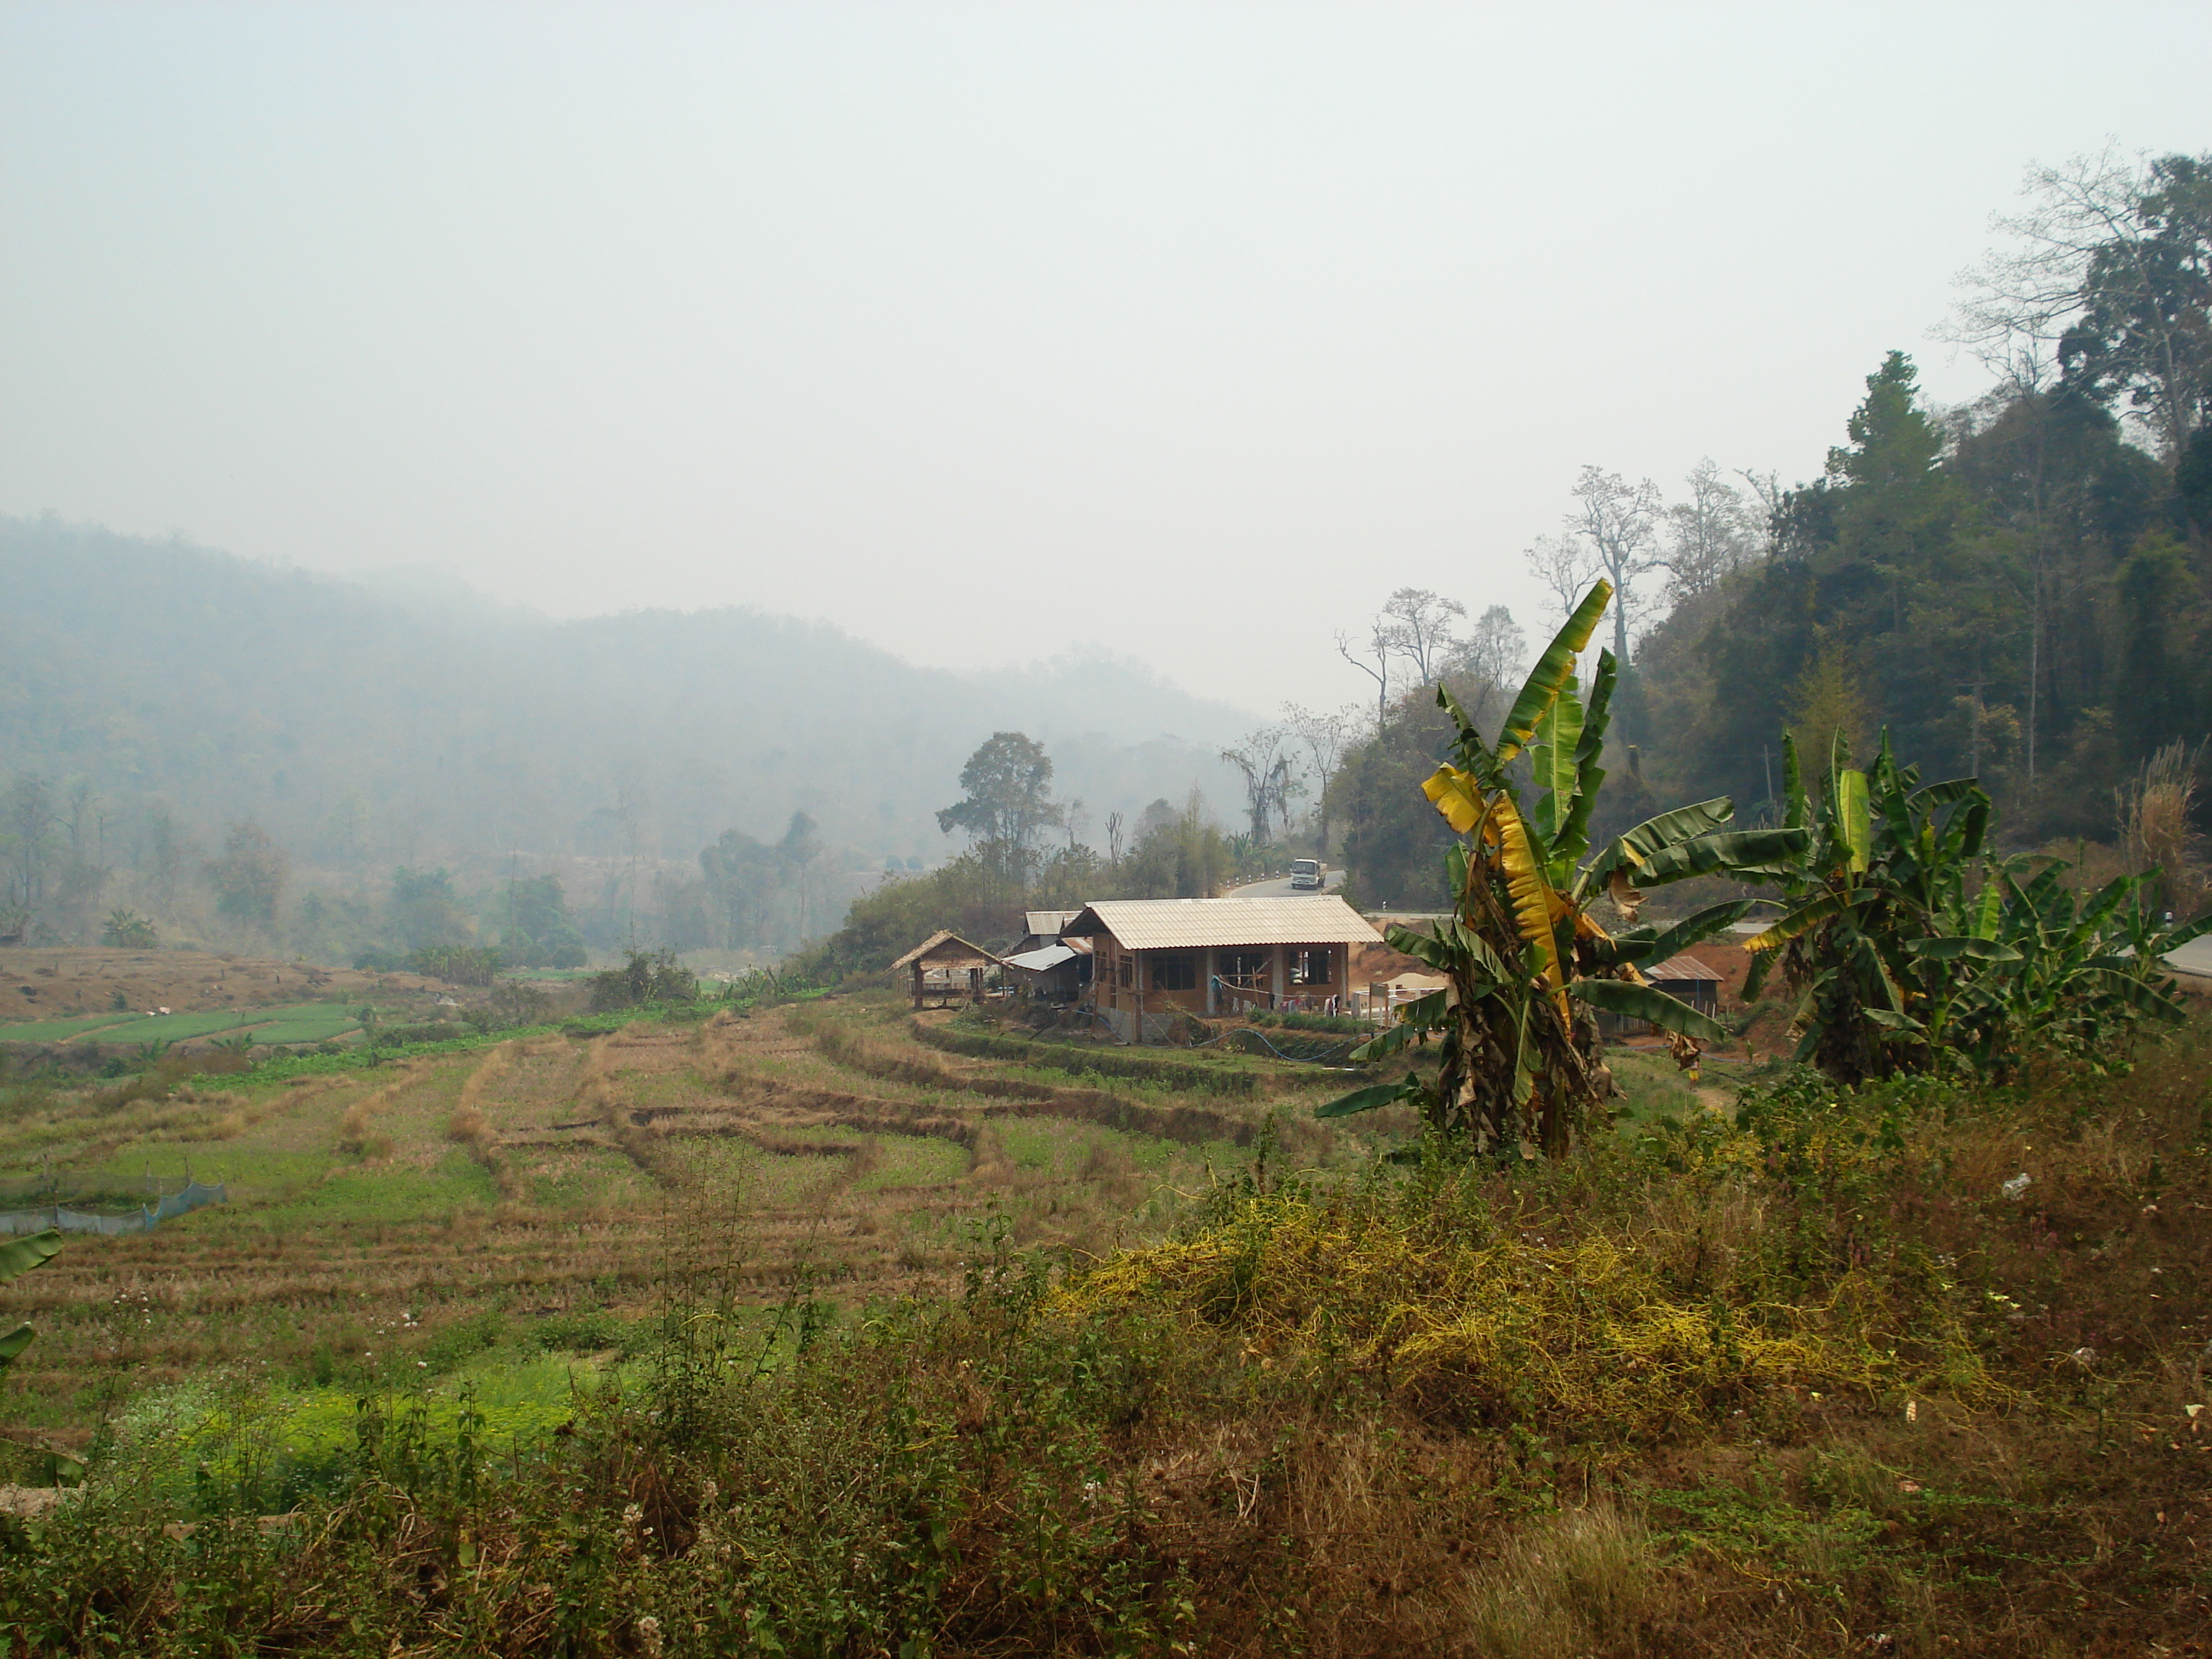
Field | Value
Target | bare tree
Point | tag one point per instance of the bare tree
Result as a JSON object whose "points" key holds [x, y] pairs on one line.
{"points": [[1116, 829], [1422, 623], [1620, 522], [1384, 643], [1325, 736], [1713, 534], [1566, 566], [1269, 779], [1485, 664], [2108, 274], [1766, 489]]}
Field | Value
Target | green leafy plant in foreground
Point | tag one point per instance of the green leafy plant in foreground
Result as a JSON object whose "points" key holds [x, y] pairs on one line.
{"points": [[1529, 965]]}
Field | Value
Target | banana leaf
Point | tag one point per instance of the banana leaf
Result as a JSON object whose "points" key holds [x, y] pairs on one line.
{"points": [[1573, 838], [1796, 815], [1372, 1099], [1800, 920], [1646, 1002], [1954, 947], [1458, 795], [1854, 827], [1552, 763], [2138, 993], [1553, 670], [1930, 796], [19, 1255], [1527, 884], [1989, 910], [1691, 930], [1749, 852], [14, 1342], [1632, 848], [1425, 1012], [2174, 938], [1422, 947], [1478, 952], [1473, 753]]}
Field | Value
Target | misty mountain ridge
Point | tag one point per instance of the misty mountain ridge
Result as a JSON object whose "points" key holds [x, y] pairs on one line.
{"points": [[411, 720]]}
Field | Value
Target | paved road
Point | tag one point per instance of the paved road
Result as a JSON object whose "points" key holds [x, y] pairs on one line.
{"points": [[1280, 887], [2194, 958]]}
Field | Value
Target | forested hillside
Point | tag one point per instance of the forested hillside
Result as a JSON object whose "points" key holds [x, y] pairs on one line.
{"points": [[154, 695], [2020, 589]]}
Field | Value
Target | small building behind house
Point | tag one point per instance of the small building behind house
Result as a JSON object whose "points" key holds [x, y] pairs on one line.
{"points": [[1155, 959], [1058, 973], [945, 966], [1041, 929], [1688, 980]]}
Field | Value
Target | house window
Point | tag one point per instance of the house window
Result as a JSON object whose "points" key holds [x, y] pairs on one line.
{"points": [[1125, 970], [1248, 970], [1310, 966], [1174, 973]]}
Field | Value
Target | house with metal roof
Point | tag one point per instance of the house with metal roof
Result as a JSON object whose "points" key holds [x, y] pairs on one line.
{"points": [[1153, 959]]}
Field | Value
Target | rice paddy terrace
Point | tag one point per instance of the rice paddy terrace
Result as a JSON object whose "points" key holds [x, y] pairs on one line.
{"points": [[541, 1179]]}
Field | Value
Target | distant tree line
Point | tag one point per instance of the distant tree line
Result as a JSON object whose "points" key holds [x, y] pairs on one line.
{"points": [[2019, 589]]}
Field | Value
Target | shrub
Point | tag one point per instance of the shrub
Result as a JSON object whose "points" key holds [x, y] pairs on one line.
{"points": [[647, 977], [456, 965], [128, 930]]}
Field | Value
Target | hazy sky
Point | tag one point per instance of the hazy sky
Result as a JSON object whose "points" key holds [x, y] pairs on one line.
{"points": [[988, 331]]}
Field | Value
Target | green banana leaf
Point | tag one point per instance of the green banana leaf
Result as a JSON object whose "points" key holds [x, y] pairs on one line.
{"points": [[1633, 847], [1553, 670], [1751, 852], [19, 1255], [1952, 948], [1552, 764], [1618, 996], [1800, 920], [1573, 838], [1372, 1099], [1691, 930], [1471, 752]]}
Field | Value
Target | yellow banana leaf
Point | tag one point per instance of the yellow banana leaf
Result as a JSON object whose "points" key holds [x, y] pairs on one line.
{"points": [[1456, 795], [1534, 905]]}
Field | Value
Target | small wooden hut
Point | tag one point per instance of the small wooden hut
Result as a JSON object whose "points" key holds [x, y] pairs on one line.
{"points": [[1687, 980], [946, 965]]}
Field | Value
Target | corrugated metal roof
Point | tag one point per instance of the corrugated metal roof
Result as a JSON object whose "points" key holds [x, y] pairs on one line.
{"points": [[1682, 968], [944, 949], [1038, 962], [1189, 923], [1046, 924]]}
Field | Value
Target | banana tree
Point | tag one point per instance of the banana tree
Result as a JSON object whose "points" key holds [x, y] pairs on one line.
{"points": [[17, 1257], [1911, 948], [1528, 965]]}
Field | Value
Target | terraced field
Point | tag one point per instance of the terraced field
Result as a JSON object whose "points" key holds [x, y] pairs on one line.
{"points": [[561, 1181]]}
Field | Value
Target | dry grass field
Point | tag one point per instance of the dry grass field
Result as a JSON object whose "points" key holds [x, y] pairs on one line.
{"points": [[72, 980]]}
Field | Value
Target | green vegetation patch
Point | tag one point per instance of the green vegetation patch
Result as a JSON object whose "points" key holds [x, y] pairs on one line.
{"points": [[61, 1030]]}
